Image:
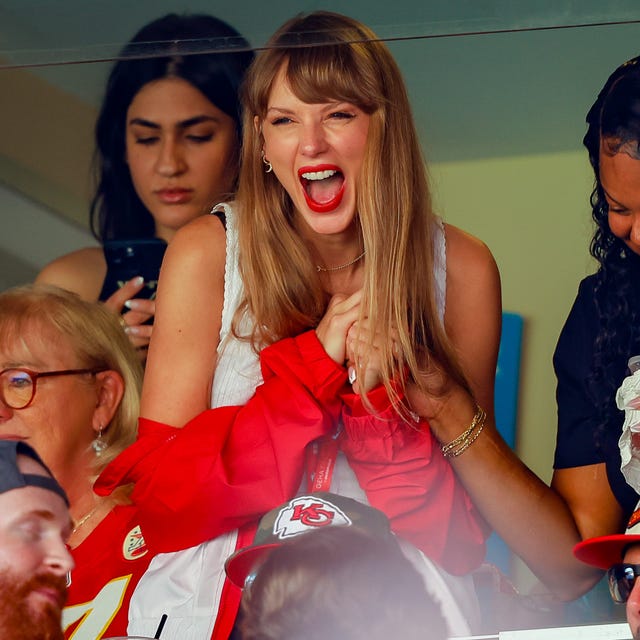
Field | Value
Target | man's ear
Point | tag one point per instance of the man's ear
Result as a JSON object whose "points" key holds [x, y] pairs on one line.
{"points": [[110, 389]]}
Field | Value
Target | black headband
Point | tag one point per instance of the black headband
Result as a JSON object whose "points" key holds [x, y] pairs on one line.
{"points": [[12, 478]]}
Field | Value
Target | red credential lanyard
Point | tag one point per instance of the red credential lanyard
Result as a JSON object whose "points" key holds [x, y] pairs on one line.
{"points": [[321, 460]]}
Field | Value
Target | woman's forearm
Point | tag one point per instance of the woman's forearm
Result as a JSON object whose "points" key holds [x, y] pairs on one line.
{"points": [[532, 518]]}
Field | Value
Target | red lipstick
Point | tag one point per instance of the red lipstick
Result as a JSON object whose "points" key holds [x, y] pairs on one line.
{"points": [[311, 177]]}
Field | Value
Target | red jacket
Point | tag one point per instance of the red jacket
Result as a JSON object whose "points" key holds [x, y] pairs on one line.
{"points": [[228, 466]]}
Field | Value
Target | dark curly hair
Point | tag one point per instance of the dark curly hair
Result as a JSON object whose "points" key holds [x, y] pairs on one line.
{"points": [[614, 118], [164, 47]]}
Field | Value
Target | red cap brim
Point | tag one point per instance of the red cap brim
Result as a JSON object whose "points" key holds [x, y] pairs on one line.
{"points": [[605, 551], [242, 563]]}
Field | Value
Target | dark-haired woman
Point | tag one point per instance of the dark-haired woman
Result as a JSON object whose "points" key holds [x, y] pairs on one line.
{"points": [[167, 148], [603, 328]]}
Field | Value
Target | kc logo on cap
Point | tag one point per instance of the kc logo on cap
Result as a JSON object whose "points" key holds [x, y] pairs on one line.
{"points": [[305, 513]]}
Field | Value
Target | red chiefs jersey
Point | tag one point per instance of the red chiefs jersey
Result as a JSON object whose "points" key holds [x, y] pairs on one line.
{"points": [[109, 564]]}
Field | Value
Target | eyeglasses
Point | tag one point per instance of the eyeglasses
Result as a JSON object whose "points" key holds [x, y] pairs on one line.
{"points": [[18, 386], [621, 578]]}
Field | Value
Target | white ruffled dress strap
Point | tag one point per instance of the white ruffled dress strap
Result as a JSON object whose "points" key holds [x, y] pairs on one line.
{"points": [[238, 367], [440, 266]]}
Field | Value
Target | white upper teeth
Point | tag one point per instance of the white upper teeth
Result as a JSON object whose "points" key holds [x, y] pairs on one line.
{"points": [[319, 175]]}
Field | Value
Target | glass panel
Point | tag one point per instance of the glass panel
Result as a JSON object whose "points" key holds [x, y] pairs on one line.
{"points": [[37, 32], [499, 89]]}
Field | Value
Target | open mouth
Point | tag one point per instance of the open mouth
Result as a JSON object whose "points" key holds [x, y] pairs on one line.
{"points": [[323, 187]]}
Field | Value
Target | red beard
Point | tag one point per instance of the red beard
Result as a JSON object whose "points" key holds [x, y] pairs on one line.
{"points": [[19, 619]]}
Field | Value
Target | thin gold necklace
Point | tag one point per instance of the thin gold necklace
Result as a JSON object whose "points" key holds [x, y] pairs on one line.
{"points": [[86, 517], [342, 266]]}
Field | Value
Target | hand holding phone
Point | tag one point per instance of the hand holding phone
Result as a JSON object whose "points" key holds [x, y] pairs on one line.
{"points": [[123, 292], [127, 259]]}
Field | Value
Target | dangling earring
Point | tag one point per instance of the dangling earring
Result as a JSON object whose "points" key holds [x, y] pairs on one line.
{"points": [[269, 166], [99, 445]]}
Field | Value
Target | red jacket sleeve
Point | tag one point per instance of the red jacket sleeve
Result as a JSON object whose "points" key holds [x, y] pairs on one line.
{"points": [[404, 474], [230, 465], [402, 471]]}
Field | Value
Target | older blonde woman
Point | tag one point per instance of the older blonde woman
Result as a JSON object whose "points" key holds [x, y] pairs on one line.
{"points": [[70, 384]]}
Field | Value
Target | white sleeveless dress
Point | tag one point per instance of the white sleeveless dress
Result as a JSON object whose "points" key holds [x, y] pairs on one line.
{"points": [[192, 579]]}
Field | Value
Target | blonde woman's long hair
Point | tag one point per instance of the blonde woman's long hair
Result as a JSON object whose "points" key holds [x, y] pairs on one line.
{"points": [[325, 57], [97, 340]]}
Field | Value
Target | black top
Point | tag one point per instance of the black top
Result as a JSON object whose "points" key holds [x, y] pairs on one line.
{"points": [[579, 441]]}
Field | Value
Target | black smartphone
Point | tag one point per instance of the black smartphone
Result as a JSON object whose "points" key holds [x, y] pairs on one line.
{"points": [[127, 259]]}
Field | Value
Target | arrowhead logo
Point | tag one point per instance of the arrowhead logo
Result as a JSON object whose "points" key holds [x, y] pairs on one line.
{"points": [[305, 513], [134, 545]]}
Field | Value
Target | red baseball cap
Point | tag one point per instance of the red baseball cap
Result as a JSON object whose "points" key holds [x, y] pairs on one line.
{"points": [[605, 551]]}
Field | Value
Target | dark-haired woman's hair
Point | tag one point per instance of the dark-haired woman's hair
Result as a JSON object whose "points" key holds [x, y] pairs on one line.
{"points": [[160, 49], [615, 119]]}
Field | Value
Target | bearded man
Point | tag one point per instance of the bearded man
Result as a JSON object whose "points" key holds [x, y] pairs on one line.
{"points": [[34, 559]]}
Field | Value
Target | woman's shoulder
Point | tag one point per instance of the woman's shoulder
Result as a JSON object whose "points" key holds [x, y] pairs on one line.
{"points": [[82, 271], [201, 234], [587, 286], [197, 251], [466, 253]]}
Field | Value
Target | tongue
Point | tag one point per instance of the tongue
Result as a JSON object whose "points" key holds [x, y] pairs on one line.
{"points": [[322, 191]]}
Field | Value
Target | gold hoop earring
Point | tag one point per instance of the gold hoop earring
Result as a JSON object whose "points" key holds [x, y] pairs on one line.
{"points": [[269, 166]]}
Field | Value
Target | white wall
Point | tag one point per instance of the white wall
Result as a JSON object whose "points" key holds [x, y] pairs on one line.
{"points": [[31, 236]]}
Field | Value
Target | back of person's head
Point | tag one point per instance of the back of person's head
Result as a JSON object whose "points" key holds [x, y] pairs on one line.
{"points": [[339, 583], [166, 47], [50, 315]]}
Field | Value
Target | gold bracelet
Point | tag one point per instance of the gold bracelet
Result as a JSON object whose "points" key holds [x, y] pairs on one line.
{"points": [[466, 438], [465, 434], [467, 444]]}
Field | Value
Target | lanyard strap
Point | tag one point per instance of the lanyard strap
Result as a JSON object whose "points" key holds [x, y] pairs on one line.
{"points": [[321, 460]]}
